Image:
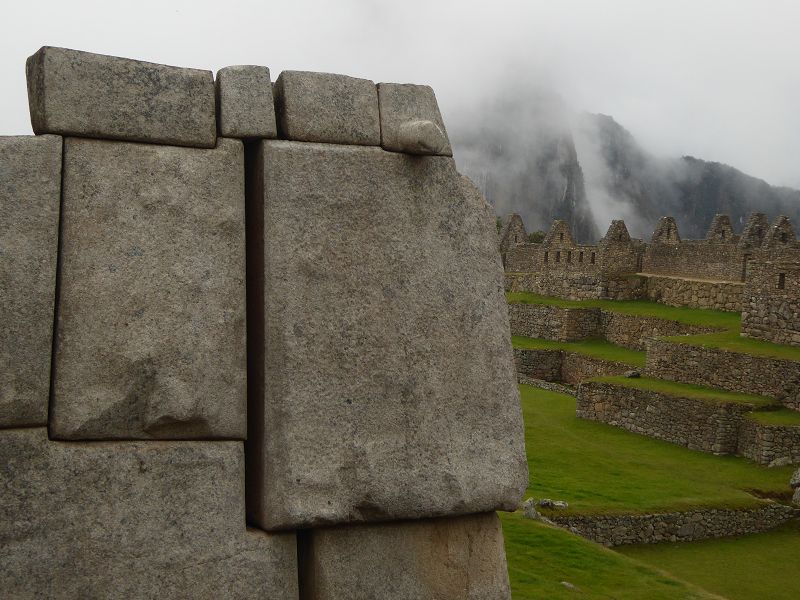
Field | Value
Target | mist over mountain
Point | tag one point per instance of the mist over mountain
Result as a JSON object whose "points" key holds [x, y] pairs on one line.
{"points": [[534, 156]]}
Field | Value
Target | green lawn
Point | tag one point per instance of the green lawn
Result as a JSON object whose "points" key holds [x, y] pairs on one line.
{"points": [[646, 308], [782, 416], [762, 566], [598, 468], [595, 347], [687, 390], [731, 340], [540, 557]]}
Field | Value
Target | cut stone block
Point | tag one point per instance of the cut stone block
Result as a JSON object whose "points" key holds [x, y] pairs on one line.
{"points": [[30, 189], [91, 95], [389, 389], [445, 559], [244, 102], [132, 520], [150, 339], [411, 121], [323, 107]]}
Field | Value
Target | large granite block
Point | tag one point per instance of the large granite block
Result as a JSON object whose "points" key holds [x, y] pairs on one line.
{"points": [[91, 95], [388, 389], [447, 559], [30, 189], [150, 339], [411, 121], [323, 107], [132, 520], [245, 108]]}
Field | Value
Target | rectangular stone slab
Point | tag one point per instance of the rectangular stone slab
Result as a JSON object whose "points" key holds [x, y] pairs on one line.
{"points": [[131, 520], [325, 107], [92, 95], [245, 108], [445, 559], [30, 193], [388, 389], [403, 102], [150, 339]]}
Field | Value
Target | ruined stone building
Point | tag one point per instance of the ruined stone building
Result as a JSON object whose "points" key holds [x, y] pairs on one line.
{"points": [[254, 342], [754, 272]]}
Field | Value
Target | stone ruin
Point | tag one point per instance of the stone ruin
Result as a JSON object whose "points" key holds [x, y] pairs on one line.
{"points": [[756, 272], [254, 342]]}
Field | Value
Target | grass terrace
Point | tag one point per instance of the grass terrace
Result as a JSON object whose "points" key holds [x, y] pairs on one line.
{"points": [[686, 390], [595, 347], [600, 469], [731, 340], [743, 568], [643, 308], [541, 557], [782, 416]]}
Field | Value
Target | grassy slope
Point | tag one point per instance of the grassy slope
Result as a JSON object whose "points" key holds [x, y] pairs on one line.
{"points": [[686, 390], [731, 340], [598, 468], [541, 557], [760, 566], [596, 347]]}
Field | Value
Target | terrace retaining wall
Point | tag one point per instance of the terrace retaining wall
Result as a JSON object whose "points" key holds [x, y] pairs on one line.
{"points": [[553, 322], [773, 445], [559, 366], [690, 526]]}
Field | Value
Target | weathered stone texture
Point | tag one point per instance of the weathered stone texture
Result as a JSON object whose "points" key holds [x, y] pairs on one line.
{"points": [[30, 186], [690, 422], [695, 293], [689, 526], [447, 559], [132, 520], [150, 340], [634, 331], [323, 107], [553, 322], [712, 367], [565, 367], [769, 444], [771, 302], [245, 108], [411, 121], [389, 390], [92, 95]]}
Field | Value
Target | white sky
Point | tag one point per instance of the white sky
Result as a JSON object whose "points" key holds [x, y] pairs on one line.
{"points": [[717, 79]]}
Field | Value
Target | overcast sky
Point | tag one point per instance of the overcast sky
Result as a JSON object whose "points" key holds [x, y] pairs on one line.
{"points": [[715, 79]]}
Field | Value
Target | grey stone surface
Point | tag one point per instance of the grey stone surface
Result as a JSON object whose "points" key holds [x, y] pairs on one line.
{"points": [[389, 389], [30, 186], [150, 339], [245, 108], [324, 107], [92, 95], [795, 480], [131, 520], [411, 121], [446, 559]]}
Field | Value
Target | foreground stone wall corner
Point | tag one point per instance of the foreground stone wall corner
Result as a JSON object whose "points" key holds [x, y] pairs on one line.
{"points": [[447, 559], [30, 189], [92, 95], [368, 356]]}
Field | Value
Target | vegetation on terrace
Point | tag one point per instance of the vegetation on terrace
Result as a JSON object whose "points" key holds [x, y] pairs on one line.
{"points": [[782, 416], [752, 567], [594, 347], [541, 557], [729, 323], [686, 390], [598, 468]]}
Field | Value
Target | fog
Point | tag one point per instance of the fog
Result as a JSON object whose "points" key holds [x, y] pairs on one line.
{"points": [[712, 79]]}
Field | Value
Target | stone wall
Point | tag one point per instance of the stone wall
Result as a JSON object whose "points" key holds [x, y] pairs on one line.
{"points": [[634, 331], [564, 367], [570, 286], [676, 291], [697, 259], [769, 444], [171, 317], [553, 322], [712, 367], [771, 302], [689, 526], [689, 422]]}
